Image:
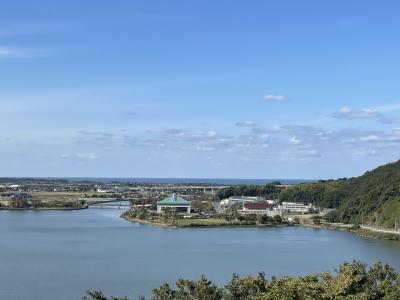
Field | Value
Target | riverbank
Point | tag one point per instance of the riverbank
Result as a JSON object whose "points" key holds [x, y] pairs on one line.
{"points": [[377, 234], [212, 222], [42, 208], [364, 232], [219, 222]]}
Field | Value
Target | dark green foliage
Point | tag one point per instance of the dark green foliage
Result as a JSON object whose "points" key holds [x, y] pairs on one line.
{"points": [[328, 194], [269, 191], [316, 220], [164, 292], [277, 219], [375, 196], [351, 281], [203, 289], [243, 288], [95, 295], [264, 219]]}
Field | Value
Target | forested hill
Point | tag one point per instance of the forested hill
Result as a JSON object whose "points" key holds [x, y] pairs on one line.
{"points": [[374, 195], [269, 191]]}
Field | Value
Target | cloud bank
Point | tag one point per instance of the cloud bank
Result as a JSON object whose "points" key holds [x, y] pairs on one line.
{"points": [[275, 98]]}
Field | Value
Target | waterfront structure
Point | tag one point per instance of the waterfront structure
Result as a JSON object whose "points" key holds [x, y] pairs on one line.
{"points": [[174, 202], [295, 207]]}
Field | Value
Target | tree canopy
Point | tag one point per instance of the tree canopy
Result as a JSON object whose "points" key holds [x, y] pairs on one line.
{"points": [[350, 281]]}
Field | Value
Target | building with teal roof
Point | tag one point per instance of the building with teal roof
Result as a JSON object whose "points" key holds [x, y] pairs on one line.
{"points": [[175, 203]]}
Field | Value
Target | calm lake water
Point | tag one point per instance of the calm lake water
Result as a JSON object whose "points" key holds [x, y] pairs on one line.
{"points": [[60, 254]]}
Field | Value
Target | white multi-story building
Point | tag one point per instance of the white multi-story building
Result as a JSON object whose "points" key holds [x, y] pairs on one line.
{"points": [[244, 199], [295, 207]]}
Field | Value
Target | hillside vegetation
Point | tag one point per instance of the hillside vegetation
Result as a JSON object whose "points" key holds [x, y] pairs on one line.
{"points": [[373, 197], [269, 191], [351, 281]]}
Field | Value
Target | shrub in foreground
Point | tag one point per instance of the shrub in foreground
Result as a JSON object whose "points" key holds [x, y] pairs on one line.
{"points": [[350, 281]]}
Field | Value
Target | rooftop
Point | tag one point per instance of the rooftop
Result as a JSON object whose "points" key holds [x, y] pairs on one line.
{"points": [[256, 205], [174, 199]]}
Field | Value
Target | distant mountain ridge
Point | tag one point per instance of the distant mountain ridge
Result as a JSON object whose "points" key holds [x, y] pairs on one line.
{"points": [[373, 198]]}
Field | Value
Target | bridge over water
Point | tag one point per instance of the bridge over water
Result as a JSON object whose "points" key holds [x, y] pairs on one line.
{"points": [[122, 205]]}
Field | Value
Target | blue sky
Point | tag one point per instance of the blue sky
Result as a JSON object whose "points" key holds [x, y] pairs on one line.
{"points": [[234, 89]]}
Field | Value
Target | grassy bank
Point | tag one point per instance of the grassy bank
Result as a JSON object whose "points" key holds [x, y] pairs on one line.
{"points": [[211, 222], [183, 222], [378, 235], [355, 229]]}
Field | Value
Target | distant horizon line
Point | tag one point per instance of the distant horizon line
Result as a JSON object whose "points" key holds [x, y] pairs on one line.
{"points": [[114, 177], [169, 180]]}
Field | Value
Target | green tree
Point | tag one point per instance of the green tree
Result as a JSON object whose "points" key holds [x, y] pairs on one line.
{"points": [[96, 295], [203, 289]]}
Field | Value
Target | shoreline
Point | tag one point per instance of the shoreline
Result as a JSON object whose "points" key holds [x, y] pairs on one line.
{"points": [[44, 208], [164, 225], [362, 232], [358, 231]]}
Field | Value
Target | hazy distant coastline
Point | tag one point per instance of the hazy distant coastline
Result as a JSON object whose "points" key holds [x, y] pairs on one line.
{"points": [[219, 181]]}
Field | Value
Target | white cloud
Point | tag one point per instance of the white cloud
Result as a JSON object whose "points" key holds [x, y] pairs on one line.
{"points": [[211, 133], [368, 113], [204, 148], [313, 153], [368, 138], [294, 141], [79, 156], [275, 98], [246, 124], [95, 138], [88, 156], [349, 113]]}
